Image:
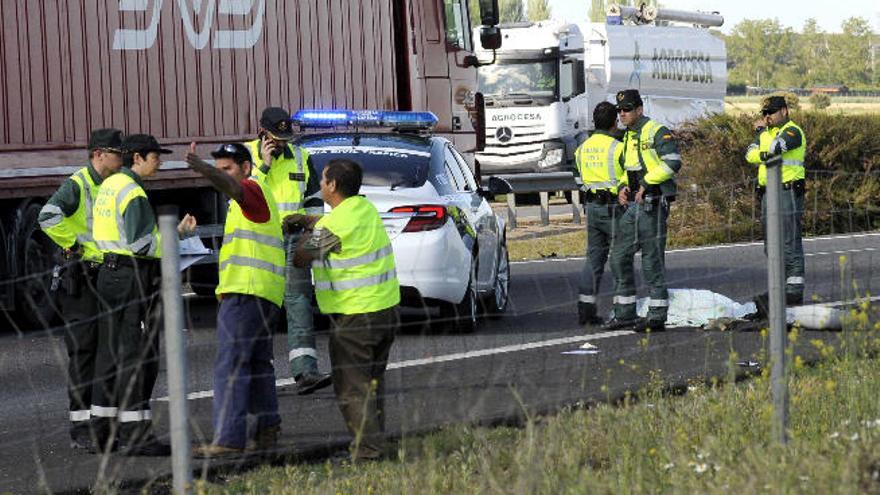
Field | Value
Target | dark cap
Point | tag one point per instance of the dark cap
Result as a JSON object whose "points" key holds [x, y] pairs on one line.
{"points": [[628, 99], [106, 139], [142, 144], [237, 151], [773, 104], [276, 121]]}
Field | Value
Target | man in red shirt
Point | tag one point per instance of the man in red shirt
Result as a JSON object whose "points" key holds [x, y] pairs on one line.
{"points": [[251, 292]]}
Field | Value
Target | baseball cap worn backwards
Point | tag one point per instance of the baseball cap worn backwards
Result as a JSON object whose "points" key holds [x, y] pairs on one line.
{"points": [[106, 139], [143, 144], [276, 121]]}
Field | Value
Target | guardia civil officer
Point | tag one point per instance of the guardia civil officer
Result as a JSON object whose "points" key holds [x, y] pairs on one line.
{"points": [[779, 139], [127, 366], [599, 163], [290, 175], [251, 291], [67, 220], [356, 285], [651, 160]]}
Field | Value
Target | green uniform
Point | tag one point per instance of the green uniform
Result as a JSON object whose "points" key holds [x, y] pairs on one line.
{"points": [[67, 219], [356, 284], [126, 232], [599, 164], [786, 140], [294, 185], [651, 159]]}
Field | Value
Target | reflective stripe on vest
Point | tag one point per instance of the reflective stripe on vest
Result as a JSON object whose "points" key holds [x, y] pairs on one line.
{"points": [[596, 163], [288, 193], [114, 196], [793, 165], [648, 154], [361, 278], [252, 256]]}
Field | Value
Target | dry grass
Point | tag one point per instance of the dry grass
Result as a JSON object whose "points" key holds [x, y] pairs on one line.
{"points": [[849, 106]]}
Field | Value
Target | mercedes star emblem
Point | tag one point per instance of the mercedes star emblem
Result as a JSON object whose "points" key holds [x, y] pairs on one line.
{"points": [[504, 134]]}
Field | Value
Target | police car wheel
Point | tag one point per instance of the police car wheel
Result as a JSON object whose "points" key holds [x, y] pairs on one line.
{"points": [[462, 317], [495, 304]]}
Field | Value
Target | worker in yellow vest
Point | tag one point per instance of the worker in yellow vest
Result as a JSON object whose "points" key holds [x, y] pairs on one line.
{"points": [[356, 286], [67, 219], [288, 172], [778, 139], [127, 364], [599, 164], [251, 292], [651, 159]]}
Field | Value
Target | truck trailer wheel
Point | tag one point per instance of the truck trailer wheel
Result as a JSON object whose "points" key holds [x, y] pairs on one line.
{"points": [[36, 307]]}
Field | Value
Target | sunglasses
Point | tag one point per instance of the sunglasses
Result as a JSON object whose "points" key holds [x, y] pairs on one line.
{"points": [[626, 109], [769, 112], [228, 148]]}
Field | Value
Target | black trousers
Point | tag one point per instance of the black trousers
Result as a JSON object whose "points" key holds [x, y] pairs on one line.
{"points": [[127, 362], [78, 298]]}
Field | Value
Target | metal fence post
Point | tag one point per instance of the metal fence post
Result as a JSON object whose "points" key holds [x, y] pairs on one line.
{"points": [[545, 207], [576, 206], [175, 351], [776, 295], [511, 210]]}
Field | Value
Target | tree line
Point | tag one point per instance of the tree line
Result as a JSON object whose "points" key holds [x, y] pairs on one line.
{"points": [[763, 53]]}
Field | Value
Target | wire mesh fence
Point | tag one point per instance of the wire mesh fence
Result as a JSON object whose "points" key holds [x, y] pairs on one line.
{"points": [[533, 360]]}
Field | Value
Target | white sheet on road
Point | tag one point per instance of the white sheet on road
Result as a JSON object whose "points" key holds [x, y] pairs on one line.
{"points": [[696, 307]]}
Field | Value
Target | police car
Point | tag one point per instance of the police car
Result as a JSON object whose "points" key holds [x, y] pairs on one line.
{"points": [[449, 246]]}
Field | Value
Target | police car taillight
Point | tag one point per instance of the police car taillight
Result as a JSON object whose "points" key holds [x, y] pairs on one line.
{"points": [[422, 217]]}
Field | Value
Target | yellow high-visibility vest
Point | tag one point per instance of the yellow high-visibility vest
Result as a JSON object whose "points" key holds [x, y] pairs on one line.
{"points": [[361, 277], [116, 192], [252, 257], [287, 177]]}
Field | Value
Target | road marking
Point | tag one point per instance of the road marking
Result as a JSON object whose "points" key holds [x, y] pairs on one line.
{"points": [[445, 358], [723, 246]]}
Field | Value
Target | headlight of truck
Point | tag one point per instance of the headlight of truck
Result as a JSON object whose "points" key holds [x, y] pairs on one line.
{"points": [[553, 157]]}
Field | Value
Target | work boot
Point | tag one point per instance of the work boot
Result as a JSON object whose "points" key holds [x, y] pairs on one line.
{"points": [[651, 326], [146, 446], [266, 439], [622, 324], [214, 451], [794, 299], [81, 436], [309, 381], [587, 314]]}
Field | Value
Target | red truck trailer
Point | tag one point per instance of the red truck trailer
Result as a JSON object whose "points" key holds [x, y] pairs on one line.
{"points": [[201, 70]]}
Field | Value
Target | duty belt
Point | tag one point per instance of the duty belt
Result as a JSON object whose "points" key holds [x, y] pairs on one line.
{"points": [[114, 261], [799, 185], [601, 196]]}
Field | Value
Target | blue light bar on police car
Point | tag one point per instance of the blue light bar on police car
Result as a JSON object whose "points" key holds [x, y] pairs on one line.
{"points": [[365, 118]]}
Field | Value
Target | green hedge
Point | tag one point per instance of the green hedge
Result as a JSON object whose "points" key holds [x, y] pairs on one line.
{"points": [[717, 202]]}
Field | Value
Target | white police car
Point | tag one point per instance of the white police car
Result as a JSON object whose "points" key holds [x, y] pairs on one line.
{"points": [[449, 246]]}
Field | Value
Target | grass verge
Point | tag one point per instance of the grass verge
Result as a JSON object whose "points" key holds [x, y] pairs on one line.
{"points": [[714, 439]]}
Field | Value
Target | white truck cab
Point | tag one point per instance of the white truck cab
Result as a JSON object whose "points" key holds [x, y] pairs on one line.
{"points": [[548, 77]]}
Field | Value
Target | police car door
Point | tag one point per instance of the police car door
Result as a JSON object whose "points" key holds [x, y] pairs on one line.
{"points": [[479, 215]]}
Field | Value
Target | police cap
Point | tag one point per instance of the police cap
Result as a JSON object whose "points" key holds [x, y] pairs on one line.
{"points": [[142, 144], [276, 121], [106, 139], [628, 99], [773, 104]]}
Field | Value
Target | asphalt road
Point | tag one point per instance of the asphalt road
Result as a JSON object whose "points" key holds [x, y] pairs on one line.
{"points": [[509, 368]]}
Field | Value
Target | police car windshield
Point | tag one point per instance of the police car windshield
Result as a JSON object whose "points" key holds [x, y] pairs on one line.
{"points": [[391, 161]]}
